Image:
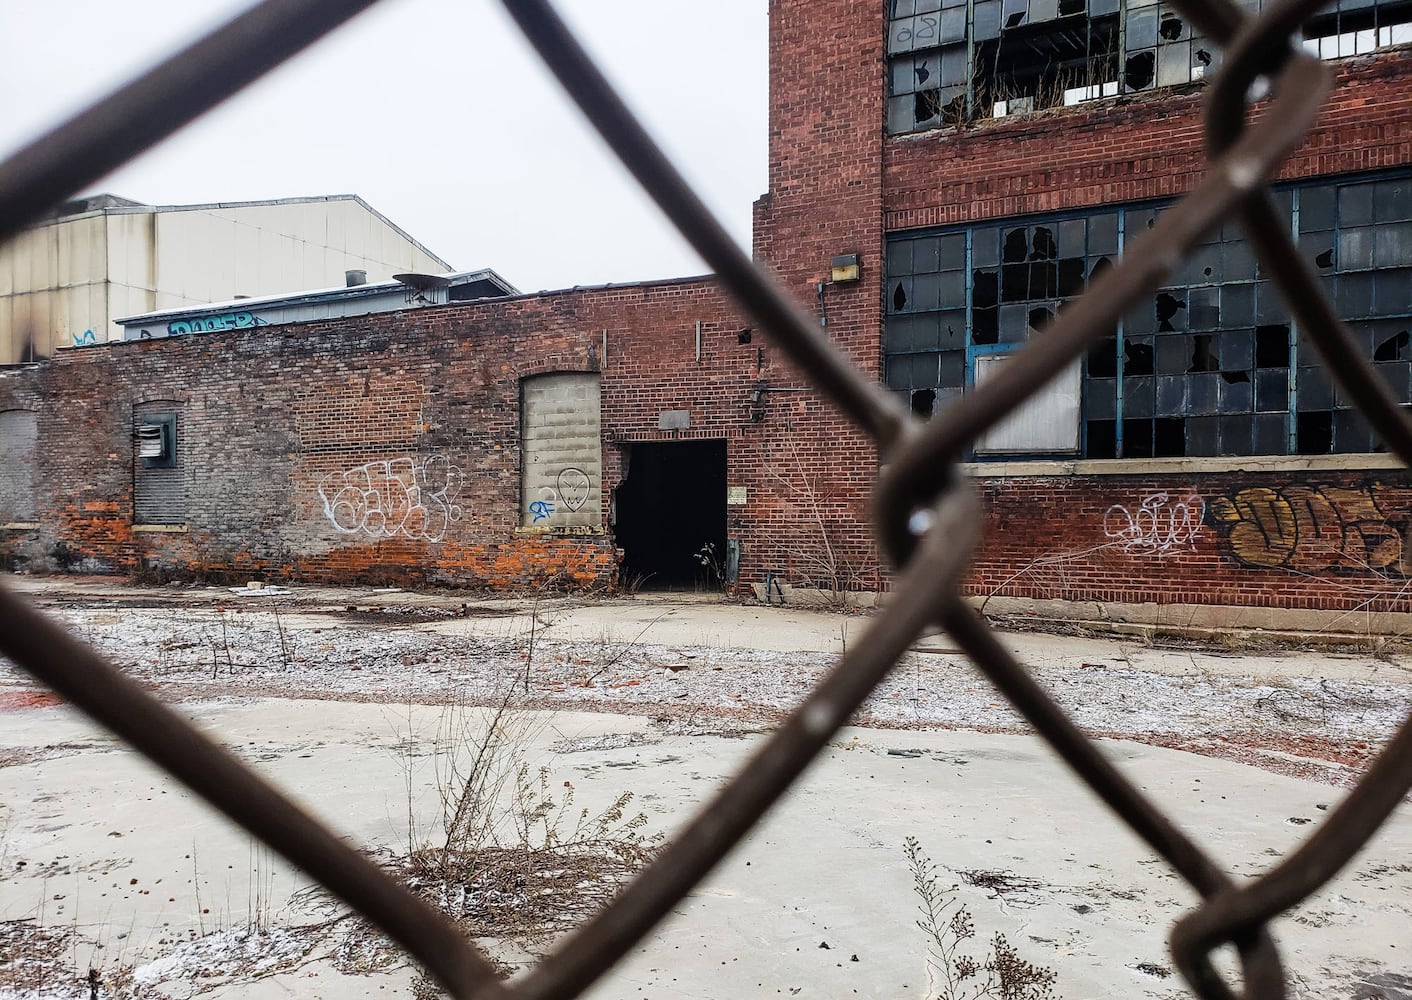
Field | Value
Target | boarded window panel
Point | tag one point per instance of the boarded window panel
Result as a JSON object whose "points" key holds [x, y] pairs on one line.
{"points": [[563, 451], [18, 433], [1046, 422], [159, 487]]}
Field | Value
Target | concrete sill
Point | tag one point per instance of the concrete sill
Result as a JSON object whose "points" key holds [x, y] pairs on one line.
{"points": [[20, 526], [160, 529], [1022, 468], [567, 531]]}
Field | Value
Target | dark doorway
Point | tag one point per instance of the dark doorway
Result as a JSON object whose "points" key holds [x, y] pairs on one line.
{"points": [[670, 506]]}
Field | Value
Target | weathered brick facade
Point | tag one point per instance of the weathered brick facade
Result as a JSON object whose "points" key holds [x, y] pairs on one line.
{"points": [[389, 448], [282, 431]]}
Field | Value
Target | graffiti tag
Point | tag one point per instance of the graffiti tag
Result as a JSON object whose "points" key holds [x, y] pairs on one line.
{"points": [[574, 487], [1158, 526], [541, 509], [208, 324], [1310, 528], [412, 497], [85, 339]]}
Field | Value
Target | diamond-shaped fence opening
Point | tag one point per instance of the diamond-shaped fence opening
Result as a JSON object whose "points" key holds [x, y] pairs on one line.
{"points": [[927, 517]]}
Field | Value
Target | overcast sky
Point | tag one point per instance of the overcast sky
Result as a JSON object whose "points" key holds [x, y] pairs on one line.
{"points": [[439, 116]]}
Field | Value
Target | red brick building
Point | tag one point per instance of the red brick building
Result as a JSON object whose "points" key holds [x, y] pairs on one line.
{"points": [[983, 159]]}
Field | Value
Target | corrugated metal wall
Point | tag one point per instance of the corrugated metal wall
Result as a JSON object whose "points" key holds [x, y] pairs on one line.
{"points": [[159, 493], [19, 431]]}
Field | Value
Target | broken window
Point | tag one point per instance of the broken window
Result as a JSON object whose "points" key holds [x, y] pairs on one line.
{"points": [[1356, 27], [1208, 365], [19, 432], [954, 61], [159, 477]]}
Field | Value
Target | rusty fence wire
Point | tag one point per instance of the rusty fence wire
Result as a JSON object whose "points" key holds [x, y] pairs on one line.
{"points": [[927, 517]]}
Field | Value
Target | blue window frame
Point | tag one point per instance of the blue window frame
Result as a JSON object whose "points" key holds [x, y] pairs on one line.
{"points": [[1212, 364]]}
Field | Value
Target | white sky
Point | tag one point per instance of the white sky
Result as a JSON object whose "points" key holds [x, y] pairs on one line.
{"points": [[438, 115]]}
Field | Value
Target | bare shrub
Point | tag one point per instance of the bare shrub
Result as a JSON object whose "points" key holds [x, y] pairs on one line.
{"points": [[951, 973]]}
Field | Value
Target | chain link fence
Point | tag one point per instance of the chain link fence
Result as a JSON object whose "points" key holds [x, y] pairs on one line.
{"points": [[927, 516]]}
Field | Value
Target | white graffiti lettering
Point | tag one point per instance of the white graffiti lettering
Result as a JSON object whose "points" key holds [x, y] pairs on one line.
{"points": [[1160, 524], [412, 497]]}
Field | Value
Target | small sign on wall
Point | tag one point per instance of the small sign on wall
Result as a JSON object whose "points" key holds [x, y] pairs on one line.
{"points": [[736, 495]]}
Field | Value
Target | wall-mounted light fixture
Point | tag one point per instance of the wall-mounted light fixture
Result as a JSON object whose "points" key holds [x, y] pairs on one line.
{"points": [[844, 268]]}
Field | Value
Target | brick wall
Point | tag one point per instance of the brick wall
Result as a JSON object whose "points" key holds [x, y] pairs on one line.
{"points": [[1128, 149], [387, 448], [1335, 540]]}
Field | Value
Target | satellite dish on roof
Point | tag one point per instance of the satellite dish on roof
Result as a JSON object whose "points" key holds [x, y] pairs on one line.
{"points": [[423, 282]]}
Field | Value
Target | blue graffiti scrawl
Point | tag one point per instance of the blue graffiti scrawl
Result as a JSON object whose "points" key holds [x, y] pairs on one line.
{"points": [[209, 324], [85, 339], [541, 509]]}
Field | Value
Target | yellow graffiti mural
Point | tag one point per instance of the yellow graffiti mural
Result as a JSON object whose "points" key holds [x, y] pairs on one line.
{"points": [[1312, 528]]}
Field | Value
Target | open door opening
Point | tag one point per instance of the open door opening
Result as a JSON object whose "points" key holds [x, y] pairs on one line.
{"points": [[670, 506]]}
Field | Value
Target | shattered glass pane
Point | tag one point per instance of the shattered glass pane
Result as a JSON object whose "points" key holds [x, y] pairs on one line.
{"points": [[1140, 69], [1173, 355], [1103, 358], [1236, 396], [1203, 309]]}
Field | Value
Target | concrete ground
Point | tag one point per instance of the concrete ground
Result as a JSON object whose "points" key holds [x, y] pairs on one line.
{"points": [[109, 865]]}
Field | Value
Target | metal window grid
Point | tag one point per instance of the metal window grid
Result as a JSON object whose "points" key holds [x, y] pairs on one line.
{"points": [[926, 515]]}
